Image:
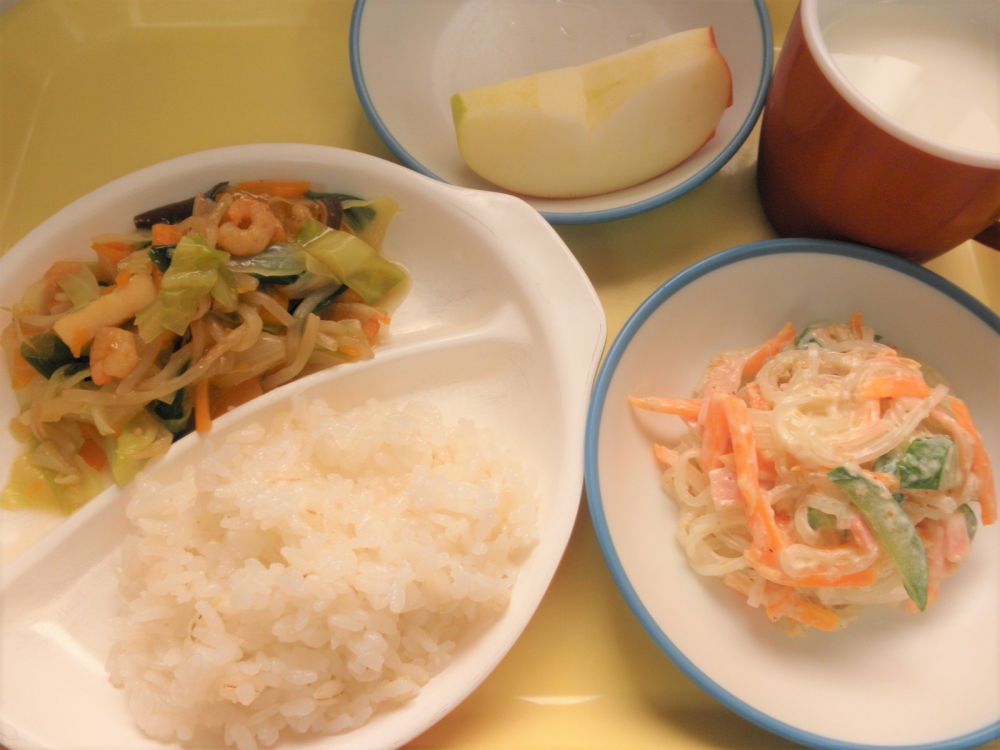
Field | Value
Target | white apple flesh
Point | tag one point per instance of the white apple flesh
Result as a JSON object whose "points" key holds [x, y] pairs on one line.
{"points": [[598, 127]]}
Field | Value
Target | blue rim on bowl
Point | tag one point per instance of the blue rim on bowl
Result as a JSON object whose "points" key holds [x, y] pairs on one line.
{"points": [[582, 217], [592, 478]]}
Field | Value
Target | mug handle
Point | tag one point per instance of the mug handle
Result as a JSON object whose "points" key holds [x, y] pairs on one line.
{"points": [[990, 236]]}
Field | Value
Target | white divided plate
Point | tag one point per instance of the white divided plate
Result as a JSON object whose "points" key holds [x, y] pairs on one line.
{"points": [[408, 58], [890, 679], [501, 325]]}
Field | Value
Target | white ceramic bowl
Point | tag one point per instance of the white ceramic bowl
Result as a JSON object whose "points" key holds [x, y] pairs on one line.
{"points": [[890, 679], [501, 324], [408, 58]]}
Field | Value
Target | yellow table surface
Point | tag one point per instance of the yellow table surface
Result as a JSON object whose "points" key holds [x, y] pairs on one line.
{"points": [[91, 90]]}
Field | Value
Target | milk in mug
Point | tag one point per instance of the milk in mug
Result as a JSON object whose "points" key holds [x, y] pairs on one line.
{"points": [[929, 66]]}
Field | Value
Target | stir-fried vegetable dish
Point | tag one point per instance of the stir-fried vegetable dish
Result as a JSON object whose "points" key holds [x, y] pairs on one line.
{"points": [[822, 472], [210, 302]]}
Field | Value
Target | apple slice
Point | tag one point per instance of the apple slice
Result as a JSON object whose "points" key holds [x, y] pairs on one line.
{"points": [[602, 126]]}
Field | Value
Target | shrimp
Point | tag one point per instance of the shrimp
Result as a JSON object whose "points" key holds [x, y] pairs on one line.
{"points": [[294, 215], [249, 227], [114, 354]]}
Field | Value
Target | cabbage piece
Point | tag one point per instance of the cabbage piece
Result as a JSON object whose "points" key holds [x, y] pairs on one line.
{"points": [[227, 299], [195, 270], [32, 486], [348, 258], [277, 261], [370, 219], [80, 286], [309, 282], [139, 262], [35, 299], [142, 439]]}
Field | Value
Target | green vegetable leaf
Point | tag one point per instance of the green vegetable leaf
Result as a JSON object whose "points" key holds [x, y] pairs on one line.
{"points": [[807, 337], [887, 464], [195, 269], [374, 227], [162, 256], [46, 352], [357, 216], [175, 415], [348, 258], [819, 520], [893, 529], [929, 463], [971, 522], [329, 299], [277, 261]]}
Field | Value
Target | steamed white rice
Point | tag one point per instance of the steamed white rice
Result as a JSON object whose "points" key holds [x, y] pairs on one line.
{"points": [[307, 571]]}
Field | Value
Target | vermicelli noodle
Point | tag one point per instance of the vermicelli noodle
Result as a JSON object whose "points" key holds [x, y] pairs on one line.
{"points": [[822, 473]]}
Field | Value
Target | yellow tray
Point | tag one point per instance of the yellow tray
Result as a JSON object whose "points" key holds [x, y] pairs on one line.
{"points": [[93, 89]]}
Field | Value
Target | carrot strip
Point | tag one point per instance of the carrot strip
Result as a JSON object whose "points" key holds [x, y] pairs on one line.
{"points": [[685, 408], [864, 538], [932, 536], [94, 456], [889, 481], [767, 350], [202, 407], [78, 339], [760, 515], [857, 324], [861, 579], [229, 398], [981, 467], [21, 372], [291, 189], [111, 252], [767, 472], [165, 235], [666, 456], [755, 397], [801, 610], [888, 387], [722, 488], [62, 268], [370, 328], [714, 435]]}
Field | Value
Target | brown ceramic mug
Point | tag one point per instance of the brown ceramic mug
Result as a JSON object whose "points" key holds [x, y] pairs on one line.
{"points": [[873, 156]]}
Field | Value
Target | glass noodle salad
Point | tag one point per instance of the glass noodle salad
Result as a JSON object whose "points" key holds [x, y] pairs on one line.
{"points": [[210, 302], [823, 472]]}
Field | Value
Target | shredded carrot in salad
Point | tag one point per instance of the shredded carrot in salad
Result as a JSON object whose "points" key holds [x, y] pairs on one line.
{"points": [[822, 473]]}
